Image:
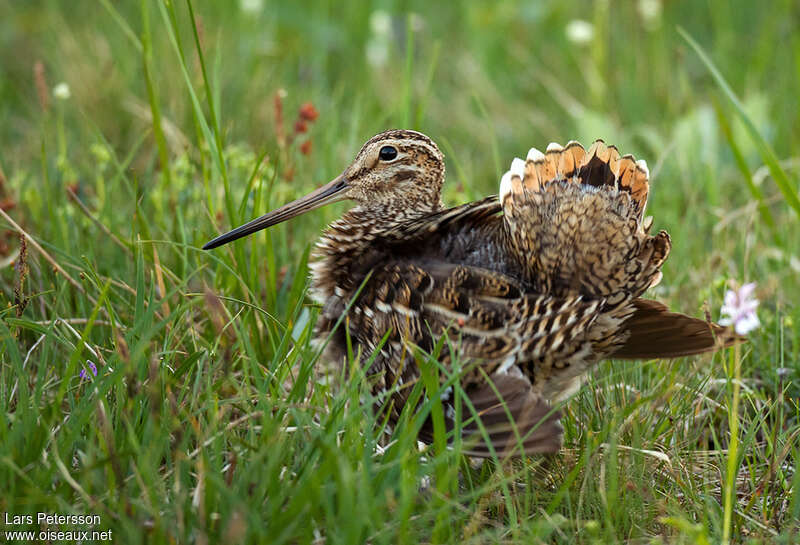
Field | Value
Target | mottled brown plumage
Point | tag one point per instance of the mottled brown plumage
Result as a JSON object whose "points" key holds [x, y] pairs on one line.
{"points": [[529, 289]]}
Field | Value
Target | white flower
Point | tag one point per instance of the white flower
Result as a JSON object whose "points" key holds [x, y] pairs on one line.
{"points": [[380, 22], [377, 53], [650, 12], [61, 91], [739, 309], [416, 22], [579, 31], [252, 7]]}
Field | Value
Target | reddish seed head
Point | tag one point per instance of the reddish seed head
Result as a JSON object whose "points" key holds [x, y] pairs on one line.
{"points": [[308, 112], [305, 147], [277, 103], [7, 203], [41, 85], [201, 33], [300, 126]]}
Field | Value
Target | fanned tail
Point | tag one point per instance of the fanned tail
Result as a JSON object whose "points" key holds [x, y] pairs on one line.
{"points": [[575, 217], [600, 166], [655, 332]]}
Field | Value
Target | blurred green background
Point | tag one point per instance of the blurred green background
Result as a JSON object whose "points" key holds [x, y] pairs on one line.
{"points": [[133, 132]]}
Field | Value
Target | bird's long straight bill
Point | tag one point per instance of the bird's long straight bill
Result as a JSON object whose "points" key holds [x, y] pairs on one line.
{"points": [[328, 193]]}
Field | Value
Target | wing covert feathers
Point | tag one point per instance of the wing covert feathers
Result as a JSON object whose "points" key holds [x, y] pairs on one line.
{"points": [[493, 327]]}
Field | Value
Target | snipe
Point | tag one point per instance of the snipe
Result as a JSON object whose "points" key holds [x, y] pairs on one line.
{"points": [[532, 288]]}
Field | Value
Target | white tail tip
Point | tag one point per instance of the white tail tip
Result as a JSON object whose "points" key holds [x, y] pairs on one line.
{"points": [[641, 163], [505, 185], [535, 155], [554, 146], [517, 167]]}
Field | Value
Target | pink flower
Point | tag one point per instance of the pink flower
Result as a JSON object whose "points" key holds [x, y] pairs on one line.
{"points": [[739, 309], [92, 366]]}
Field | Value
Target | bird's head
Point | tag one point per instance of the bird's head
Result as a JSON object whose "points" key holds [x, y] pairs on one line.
{"points": [[396, 170]]}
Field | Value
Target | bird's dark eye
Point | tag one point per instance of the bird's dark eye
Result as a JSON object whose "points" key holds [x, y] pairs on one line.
{"points": [[387, 153]]}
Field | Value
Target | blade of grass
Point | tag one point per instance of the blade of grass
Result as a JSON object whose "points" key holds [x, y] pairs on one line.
{"points": [[171, 24], [765, 150], [426, 88], [72, 365], [734, 376], [123, 24], [409, 71], [755, 191], [147, 55], [211, 108]]}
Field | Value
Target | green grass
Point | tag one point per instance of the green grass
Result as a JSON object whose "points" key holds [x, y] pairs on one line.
{"points": [[208, 420]]}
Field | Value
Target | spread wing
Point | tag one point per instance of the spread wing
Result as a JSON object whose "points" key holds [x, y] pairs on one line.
{"points": [[505, 340]]}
